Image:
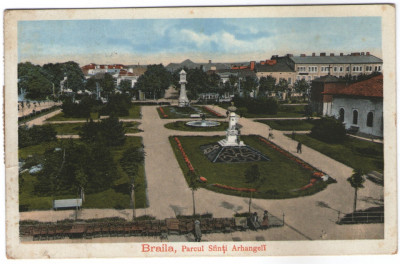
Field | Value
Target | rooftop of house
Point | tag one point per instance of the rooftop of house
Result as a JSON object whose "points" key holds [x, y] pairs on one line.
{"points": [[277, 66], [353, 58], [372, 87], [327, 79]]}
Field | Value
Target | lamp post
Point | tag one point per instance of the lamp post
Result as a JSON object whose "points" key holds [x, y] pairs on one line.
{"points": [[133, 200]]}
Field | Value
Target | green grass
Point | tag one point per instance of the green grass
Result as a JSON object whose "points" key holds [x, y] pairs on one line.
{"points": [[282, 175], [116, 197], [174, 112], [134, 112], [62, 117], [181, 125], [283, 111], [355, 153], [288, 125], [75, 128]]}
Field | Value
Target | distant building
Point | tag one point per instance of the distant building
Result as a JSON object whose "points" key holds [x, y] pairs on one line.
{"points": [[276, 68], [359, 106], [210, 66], [312, 67]]}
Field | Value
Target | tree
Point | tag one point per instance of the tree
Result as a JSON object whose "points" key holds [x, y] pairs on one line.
{"points": [[253, 176], [107, 85], [125, 86], [356, 181], [282, 85], [267, 85], [91, 84], [301, 86], [154, 81], [193, 185], [329, 130], [34, 81], [250, 85]]}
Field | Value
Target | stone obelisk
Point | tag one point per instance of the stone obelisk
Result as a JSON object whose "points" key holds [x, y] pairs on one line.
{"points": [[183, 100]]}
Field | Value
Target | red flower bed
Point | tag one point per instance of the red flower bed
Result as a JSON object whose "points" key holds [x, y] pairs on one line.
{"points": [[185, 157], [202, 179], [316, 174], [212, 111], [162, 112], [226, 187]]}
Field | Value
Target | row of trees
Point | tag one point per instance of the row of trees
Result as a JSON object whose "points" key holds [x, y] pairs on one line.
{"points": [[41, 82]]}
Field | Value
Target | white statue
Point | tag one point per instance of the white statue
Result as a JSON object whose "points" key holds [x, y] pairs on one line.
{"points": [[232, 134], [183, 100]]}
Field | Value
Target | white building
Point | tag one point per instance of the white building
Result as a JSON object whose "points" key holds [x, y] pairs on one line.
{"points": [[359, 106]]}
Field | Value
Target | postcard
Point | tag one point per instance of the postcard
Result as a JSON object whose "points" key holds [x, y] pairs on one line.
{"points": [[200, 131]]}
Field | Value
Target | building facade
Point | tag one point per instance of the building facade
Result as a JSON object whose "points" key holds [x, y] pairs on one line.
{"points": [[359, 106]]}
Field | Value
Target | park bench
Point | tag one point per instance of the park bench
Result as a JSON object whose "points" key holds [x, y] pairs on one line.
{"points": [[172, 225], [195, 115], [353, 130]]}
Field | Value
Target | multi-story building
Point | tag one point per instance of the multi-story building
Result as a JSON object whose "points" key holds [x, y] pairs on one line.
{"points": [[313, 67]]}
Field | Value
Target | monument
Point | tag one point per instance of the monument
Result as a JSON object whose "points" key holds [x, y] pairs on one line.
{"points": [[183, 100], [232, 134]]}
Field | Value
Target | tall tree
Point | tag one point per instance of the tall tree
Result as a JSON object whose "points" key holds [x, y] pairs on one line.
{"points": [[301, 86], [282, 85], [356, 181], [250, 85], [193, 185], [267, 85], [34, 81], [154, 81], [253, 176], [107, 84]]}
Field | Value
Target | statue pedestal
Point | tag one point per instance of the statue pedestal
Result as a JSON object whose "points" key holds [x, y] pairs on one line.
{"points": [[232, 139]]}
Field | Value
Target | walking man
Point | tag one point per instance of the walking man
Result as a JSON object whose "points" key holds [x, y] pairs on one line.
{"points": [[299, 148]]}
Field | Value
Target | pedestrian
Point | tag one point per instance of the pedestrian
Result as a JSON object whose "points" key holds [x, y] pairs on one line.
{"points": [[197, 231], [299, 148]]}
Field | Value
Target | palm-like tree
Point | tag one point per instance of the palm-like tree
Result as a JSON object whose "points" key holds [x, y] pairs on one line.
{"points": [[356, 181], [193, 185]]}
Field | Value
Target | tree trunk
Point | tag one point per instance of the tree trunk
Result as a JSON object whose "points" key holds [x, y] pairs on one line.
{"points": [[251, 195], [194, 206], [355, 200]]}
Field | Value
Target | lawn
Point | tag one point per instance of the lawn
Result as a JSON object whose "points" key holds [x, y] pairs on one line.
{"points": [[283, 111], [181, 125], [134, 112], [283, 176], [118, 196], [353, 152], [289, 125], [174, 112], [75, 128]]}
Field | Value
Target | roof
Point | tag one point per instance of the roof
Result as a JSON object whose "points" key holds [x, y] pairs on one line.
{"points": [[280, 66], [193, 65], [327, 79], [236, 72], [66, 203], [372, 87], [336, 59]]}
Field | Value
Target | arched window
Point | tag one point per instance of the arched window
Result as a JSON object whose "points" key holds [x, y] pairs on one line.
{"points": [[341, 115], [370, 119], [355, 117]]}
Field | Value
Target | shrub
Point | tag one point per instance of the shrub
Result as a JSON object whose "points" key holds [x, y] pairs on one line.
{"points": [[35, 135], [329, 130]]}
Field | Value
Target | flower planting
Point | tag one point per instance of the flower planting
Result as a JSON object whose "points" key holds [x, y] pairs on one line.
{"points": [[226, 187], [162, 112], [212, 111], [316, 175]]}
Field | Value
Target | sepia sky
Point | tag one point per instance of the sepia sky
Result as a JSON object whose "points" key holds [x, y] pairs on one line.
{"points": [[146, 41]]}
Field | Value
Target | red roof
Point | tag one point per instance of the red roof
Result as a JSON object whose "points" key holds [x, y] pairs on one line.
{"points": [[372, 87]]}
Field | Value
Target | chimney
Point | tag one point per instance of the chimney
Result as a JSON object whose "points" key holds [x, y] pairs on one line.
{"points": [[252, 65], [302, 55], [322, 54], [362, 53], [355, 54], [332, 54], [368, 53], [209, 61], [289, 55], [341, 54], [313, 54]]}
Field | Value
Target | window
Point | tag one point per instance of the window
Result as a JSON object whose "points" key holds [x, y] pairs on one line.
{"points": [[341, 115], [347, 68], [289, 80], [301, 69], [298, 78], [355, 117], [313, 69], [370, 119], [379, 68], [309, 78], [340, 69], [335, 69]]}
